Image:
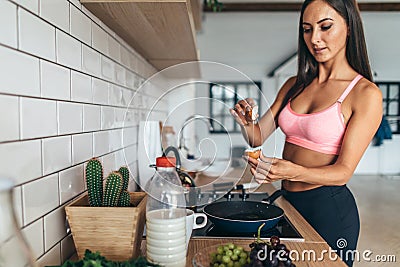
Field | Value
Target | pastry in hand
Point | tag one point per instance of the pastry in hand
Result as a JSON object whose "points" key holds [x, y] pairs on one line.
{"points": [[253, 152]]}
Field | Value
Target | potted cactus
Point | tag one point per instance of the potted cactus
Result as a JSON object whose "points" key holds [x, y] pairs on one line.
{"points": [[107, 218]]}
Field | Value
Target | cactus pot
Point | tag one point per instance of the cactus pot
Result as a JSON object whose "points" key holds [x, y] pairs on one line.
{"points": [[116, 232]]}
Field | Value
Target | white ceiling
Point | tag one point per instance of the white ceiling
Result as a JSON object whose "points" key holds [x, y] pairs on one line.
{"points": [[257, 42]]}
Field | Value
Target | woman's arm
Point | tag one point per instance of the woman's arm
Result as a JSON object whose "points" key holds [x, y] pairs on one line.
{"points": [[365, 119], [256, 133]]}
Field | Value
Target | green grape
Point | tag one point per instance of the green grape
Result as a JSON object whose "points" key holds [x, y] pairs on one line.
{"points": [[226, 259], [237, 251], [242, 261], [229, 253]]}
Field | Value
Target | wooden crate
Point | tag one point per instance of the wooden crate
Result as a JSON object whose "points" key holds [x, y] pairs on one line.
{"points": [[116, 232]]}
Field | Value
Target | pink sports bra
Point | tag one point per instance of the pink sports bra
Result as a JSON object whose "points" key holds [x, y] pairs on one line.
{"points": [[319, 131]]}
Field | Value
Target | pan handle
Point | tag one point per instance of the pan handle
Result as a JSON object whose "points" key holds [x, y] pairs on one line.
{"points": [[273, 197]]}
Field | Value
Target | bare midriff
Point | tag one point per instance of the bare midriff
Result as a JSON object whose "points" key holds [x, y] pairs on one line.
{"points": [[307, 158]]}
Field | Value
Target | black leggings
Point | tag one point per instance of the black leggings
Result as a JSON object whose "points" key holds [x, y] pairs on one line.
{"points": [[333, 213]]}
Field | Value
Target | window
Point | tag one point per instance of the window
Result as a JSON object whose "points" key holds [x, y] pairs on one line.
{"points": [[224, 95], [391, 104]]}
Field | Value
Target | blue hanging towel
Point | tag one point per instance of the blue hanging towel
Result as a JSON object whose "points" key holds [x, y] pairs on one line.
{"points": [[383, 132]]}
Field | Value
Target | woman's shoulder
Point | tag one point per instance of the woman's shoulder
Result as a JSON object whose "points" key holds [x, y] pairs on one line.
{"points": [[287, 85], [367, 92], [290, 81]]}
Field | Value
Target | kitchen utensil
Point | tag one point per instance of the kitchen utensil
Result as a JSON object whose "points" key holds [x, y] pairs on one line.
{"points": [[244, 216]]}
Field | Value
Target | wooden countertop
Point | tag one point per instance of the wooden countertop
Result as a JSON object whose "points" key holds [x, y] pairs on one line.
{"points": [[308, 252], [313, 242]]}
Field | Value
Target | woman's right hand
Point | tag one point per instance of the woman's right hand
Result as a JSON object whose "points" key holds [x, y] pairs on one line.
{"points": [[241, 111]]}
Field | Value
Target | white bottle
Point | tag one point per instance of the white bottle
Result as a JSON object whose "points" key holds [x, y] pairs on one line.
{"points": [[166, 216]]}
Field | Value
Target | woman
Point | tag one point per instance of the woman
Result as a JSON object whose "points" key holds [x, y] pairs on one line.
{"points": [[329, 113]]}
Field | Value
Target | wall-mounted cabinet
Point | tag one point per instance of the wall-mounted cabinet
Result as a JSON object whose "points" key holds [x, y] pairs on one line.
{"points": [[163, 31]]}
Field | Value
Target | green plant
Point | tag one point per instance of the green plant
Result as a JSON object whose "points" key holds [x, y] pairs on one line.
{"points": [[124, 171], [94, 182], [112, 190], [95, 259], [124, 199], [115, 191], [215, 5]]}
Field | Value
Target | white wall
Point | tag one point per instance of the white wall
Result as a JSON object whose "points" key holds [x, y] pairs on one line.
{"points": [[66, 81]]}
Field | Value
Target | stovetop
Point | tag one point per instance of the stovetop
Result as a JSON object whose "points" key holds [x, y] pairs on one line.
{"points": [[284, 229]]}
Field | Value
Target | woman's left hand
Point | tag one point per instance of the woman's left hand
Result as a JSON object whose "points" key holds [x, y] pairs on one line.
{"points": [[268, 169]]}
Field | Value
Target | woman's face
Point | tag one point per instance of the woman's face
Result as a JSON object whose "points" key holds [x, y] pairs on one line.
{"points": [[324, 32]]}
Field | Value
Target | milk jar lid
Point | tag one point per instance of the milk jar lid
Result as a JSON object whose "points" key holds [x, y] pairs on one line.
{"points": [[165, 162], [6, 184]]}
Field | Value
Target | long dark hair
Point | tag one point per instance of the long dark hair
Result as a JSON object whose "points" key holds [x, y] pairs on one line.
{"points": [[356, 49]]}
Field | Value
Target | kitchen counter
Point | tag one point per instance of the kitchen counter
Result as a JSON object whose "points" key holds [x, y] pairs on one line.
{"points": [[313, 242], [309, 252]]}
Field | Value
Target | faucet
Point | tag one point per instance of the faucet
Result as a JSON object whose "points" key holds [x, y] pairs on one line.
{"points": [[178, 158], [181, 139], [185, 178]]}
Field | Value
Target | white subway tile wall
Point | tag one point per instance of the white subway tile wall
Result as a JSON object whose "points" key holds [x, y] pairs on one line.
{"points": [[36, 205], [38, 117], [67, 81], [70, 118], [9, 124], [56, 12], [54, 227], [81, 87], [68, 50], [54, 81], [82, 147], [71, 183], [36, 36], [51, 258], [8, 24], [67, 247], [56, 154], [80, 25], [31, 5], [91, 118], [21, 161], [13, 66], [33, 234]]}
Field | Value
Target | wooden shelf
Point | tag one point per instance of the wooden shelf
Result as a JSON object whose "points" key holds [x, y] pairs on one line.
{"points": [[162, 31]]}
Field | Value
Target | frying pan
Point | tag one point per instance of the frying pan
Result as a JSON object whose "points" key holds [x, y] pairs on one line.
{"points": [[244, 216]]}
